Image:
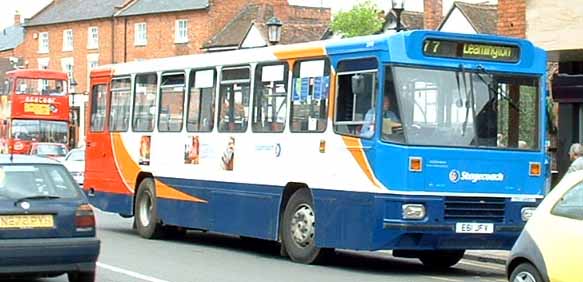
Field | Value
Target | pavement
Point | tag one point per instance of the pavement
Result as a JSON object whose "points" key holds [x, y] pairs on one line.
{"points": [[498, 257]]}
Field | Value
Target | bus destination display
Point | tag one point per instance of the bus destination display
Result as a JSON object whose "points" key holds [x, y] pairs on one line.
{"points": [[470, 50]]}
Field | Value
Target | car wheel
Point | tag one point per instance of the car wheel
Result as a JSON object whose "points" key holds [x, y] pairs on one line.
{"points": [[299, 229], [146, 211], [525, 272], [81, 276], [441, 259]]}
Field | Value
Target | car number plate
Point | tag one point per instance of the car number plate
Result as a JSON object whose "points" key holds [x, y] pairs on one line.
{"points": [[473, 227], [26, 221]]}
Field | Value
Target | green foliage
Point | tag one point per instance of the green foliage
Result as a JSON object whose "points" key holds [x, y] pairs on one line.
{"points": [[362, 19]]}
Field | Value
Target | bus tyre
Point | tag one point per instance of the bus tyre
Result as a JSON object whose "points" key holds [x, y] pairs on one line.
{"points": [[299, 229], [525, 272], [147, 222], [441, 259]]}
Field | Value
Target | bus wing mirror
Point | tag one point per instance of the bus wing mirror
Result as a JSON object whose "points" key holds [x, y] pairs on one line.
{"points": [[358, 84]]}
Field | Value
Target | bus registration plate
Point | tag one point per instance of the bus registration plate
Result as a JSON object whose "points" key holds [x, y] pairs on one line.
{"points": [[473, 227]]}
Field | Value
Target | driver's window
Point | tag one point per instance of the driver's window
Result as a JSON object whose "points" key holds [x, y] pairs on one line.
{"points": [[571, 204], [356, 97], [270, 99]]}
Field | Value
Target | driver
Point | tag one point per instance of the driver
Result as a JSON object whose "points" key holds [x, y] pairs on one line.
{"points": [[388, 115]]}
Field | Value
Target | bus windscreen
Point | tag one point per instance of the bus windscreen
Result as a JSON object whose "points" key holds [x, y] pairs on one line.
{"points": [[37, 86]]}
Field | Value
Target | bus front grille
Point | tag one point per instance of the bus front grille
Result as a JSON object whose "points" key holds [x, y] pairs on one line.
{"points": [[464, 209]]}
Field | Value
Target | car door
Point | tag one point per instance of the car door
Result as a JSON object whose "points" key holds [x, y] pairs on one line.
{"points": [[561, 242]]}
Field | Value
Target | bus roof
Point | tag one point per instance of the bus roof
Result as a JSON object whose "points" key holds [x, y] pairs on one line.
{"points": [[404, 47], [37, 73]]}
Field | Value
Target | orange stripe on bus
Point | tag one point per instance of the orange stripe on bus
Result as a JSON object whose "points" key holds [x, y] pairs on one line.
{"points": [[126, 167], [165, 191], [302, 52], [355, 148]]}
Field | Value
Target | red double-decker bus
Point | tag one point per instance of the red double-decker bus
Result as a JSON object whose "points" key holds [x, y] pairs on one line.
{"points": [[34, 108]]}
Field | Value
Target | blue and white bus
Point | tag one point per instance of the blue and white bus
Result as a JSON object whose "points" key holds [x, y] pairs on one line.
{"points": [[421, 142]]}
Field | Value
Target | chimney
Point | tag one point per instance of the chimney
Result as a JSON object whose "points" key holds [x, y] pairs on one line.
{"points": [[512, 18], [432, 13], [17, 18]]}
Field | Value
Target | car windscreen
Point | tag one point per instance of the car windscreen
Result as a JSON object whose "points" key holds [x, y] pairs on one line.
{"points": [[19, 181], [51, 150]]}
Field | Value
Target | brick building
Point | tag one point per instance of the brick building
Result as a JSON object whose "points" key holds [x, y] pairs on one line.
{"points": [[76, 35], [11, 38]]}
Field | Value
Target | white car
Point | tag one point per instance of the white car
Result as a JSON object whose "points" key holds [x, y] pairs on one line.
{"points": [[75, 163]]}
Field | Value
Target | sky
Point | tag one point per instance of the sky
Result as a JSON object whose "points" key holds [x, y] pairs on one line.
{"points": [[28, 8]]}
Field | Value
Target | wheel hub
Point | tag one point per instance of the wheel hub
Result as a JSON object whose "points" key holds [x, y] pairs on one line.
{"points": [[524, 277], [146, 209], [303, 225]]}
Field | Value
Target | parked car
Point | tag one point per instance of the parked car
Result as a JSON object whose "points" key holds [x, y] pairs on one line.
{"points": [[47, 227], [75, 163], [54, 151], [550, 248]]}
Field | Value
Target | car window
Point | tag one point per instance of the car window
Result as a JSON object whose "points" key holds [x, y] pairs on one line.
{"points": [[19, 181], [51, 150], [76, 156], [571, 204]]}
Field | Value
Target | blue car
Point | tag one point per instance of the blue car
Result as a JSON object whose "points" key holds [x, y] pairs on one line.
{"points": [[47, 227]]}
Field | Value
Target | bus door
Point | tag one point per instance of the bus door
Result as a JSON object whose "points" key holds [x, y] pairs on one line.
{"points": [[98, 138]]}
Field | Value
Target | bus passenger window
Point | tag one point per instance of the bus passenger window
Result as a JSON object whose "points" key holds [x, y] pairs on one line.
{"points": [[144, 102], [171, 103], [356, 99], [234, 100], [119, 114], [201, 101], [270, 100], [98, 103], [309, 98]]}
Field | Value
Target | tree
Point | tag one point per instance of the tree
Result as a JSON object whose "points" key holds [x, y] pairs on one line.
{"points": [[362, 19]]}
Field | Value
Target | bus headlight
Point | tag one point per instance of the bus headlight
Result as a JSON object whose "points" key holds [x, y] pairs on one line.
{"points": [[526, 213], [413, 211]]}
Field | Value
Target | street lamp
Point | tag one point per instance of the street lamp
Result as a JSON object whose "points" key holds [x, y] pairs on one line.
{"points": [[398, 7], [274, 30]]}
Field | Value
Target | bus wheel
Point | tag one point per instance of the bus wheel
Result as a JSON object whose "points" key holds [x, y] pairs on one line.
{"points": [[299, 228], [146, 212], [441, 259]]}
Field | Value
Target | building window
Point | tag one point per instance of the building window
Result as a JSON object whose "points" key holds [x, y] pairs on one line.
{"points": [[43, 42], [93, 38], [181, 31], [68, 40], [140, 34], [201, 101], [67, 65]]}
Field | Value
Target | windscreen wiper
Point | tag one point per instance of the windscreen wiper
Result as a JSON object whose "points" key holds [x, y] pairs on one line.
{"points": [[468, 100], [36, 197], [481, 71]]}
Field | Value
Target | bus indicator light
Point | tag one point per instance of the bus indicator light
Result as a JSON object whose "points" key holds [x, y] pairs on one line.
{"points": [[415, 164], [534, 169], [322, 146]]}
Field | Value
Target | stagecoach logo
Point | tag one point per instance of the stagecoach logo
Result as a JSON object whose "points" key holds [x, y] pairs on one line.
{"points": [[455, 176]]}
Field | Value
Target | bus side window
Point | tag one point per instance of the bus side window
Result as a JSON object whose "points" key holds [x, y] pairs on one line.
{"points": [[119, 113], [356, 97], [98, 104], [171, 102], [270, 100], [234, 99], [309, 98], [144, 102], [201, 101]]}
